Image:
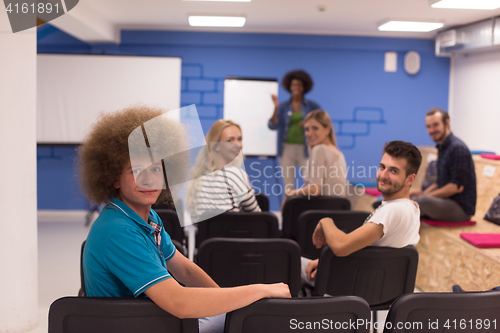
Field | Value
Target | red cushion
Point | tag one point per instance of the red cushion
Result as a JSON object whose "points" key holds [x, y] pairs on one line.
{"points": [[373, 192], [447, 224], [490, 156], [482, 240]]}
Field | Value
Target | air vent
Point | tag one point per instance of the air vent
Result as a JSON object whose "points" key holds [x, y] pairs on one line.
{"points": [[448, 39], [479, 36]]}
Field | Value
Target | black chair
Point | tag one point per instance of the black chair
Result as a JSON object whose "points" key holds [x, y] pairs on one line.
{"points": [[172, 224], [114, 315], [177, 206], [346, 221], [377, 274], [263, 201], [236, 262], [82, 292], [289, 315], [445, 312], [238, 225], [296, 205], [180, 247]]}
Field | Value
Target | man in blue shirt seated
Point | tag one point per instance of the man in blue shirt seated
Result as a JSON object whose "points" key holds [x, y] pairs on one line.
{"points": [[128, 253], [453, 196]]}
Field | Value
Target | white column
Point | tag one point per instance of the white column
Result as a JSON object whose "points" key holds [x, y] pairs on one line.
{"points": [[18, 220]]}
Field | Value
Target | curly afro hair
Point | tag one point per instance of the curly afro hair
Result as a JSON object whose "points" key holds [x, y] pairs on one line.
{"points": [[105, 149], [297, 75]]}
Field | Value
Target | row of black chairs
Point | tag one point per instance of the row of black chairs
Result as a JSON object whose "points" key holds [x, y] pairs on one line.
{"points": [[292, 210], [377, 274], [263, 225], [418, 313]]}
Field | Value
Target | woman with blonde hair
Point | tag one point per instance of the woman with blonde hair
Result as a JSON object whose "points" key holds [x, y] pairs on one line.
{"points": [[218, 183], [326, 166]]}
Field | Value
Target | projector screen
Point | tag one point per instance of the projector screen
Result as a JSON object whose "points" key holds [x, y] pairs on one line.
{"points": [[248, 102], [72, 90]]}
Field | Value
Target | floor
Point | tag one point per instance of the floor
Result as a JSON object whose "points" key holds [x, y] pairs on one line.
{"points": [[59, 266]]}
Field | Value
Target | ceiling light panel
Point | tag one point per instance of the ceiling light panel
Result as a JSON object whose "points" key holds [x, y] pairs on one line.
{"points": [[410, 26], [466, 4], [222, 0], [216, 21]]}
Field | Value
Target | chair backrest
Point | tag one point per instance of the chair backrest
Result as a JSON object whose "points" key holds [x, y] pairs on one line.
{"points": [[235, 262], [180, 247], [238, 225], [177, 206], [82, 292], [345, 220], [377, 274], [316, 314], [445, 312], [172, 224], [296, 205], [114, 315], [263, 201]]}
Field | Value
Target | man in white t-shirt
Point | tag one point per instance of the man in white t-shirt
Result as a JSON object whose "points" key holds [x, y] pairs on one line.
{"points": [[395, 223]]}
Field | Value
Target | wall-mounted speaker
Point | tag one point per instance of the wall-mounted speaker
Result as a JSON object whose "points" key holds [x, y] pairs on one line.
{"points": [[412, 62]]}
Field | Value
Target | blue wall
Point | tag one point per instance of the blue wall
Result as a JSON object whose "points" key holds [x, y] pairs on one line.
{"points": [[368, 106], [57, 180]]}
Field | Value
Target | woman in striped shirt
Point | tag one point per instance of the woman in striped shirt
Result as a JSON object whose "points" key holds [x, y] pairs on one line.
{"points": [[219, 182]]}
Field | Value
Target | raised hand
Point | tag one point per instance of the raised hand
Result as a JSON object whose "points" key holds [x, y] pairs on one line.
{"points": [[275, 100]]}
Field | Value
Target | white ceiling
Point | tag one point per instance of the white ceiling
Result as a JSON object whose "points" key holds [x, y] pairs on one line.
{"points": [[101, 20]]}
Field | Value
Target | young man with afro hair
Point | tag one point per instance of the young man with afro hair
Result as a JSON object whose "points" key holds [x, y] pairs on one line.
{"points": [[127, 251]]}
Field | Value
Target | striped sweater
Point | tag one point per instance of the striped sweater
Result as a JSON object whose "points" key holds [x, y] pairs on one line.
{"points": [[227, 189]]}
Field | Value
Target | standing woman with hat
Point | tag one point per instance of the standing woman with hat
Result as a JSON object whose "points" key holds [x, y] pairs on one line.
{"points": [[288, 120]]}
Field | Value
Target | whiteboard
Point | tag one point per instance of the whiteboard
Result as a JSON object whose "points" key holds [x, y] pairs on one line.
{"points": [[248, 102], [73, 89]]}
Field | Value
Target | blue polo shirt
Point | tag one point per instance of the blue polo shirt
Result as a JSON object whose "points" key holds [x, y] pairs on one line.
{"points": [[121, 258]]}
